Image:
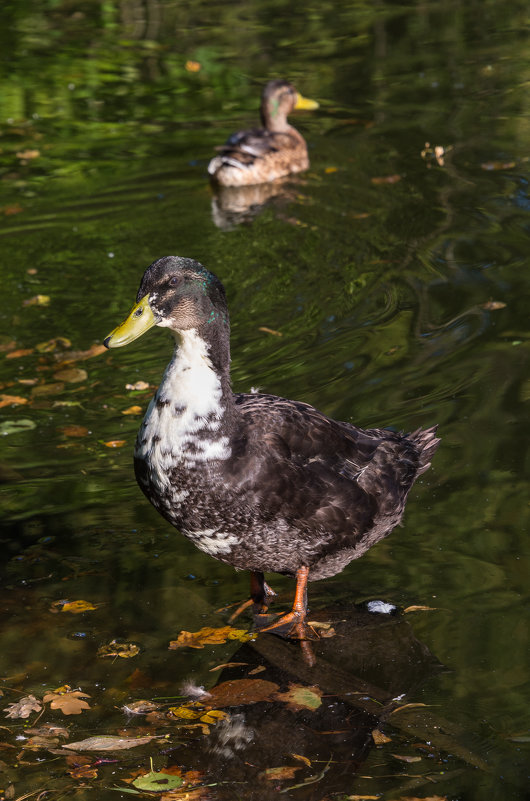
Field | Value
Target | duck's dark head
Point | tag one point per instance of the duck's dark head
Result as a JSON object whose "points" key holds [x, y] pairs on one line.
{"points": [[179, 294], [279, 98]]}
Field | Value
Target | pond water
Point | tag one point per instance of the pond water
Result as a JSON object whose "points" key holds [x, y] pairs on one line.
{"points": [[387, 285]]}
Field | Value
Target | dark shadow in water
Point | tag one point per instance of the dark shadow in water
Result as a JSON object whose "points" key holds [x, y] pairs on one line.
{"points": [[361, 672]]}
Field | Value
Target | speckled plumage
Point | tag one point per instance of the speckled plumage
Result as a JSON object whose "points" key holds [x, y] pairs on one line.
{"points": [[257, 481], [263, 154]]}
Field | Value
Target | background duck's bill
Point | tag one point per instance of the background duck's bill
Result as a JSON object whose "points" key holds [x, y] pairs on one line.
{"points": [[140, 320], [305, 103]]}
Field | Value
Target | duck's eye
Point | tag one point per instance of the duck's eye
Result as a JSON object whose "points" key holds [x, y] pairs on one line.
{"points": [[173, 281]]}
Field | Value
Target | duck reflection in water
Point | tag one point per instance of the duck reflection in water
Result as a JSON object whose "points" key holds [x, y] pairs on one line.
{"points": [[259, 482]]}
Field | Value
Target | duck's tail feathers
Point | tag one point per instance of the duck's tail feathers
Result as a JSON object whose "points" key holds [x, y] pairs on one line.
{"points": [[427, 444]]}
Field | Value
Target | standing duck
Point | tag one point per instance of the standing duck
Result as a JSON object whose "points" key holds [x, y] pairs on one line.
{"points": [[257, 481], [264, 154]]}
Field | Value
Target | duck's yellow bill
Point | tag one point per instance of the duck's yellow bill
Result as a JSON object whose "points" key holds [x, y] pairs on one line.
{"points": [[305, 103], [140, 320]]}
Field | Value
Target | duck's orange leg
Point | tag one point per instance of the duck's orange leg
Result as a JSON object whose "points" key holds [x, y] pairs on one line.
{"points": [[293, 623], [260, 596]]}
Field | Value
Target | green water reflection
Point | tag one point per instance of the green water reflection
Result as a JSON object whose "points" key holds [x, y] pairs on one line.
{"points": [[396, 277]]}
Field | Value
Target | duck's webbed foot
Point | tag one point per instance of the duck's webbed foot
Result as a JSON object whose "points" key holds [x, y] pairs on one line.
{"points": [[293, 624], [261, 596]]}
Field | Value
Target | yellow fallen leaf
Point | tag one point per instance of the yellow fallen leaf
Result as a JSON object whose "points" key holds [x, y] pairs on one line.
{"points": [[303, 759], [419, 608], [70, 702], [52, 344], [185, 712], [329, 170], [279, 774], [115, 443], [37, 300], [192, 66], [75, 607], [133, 410], [12, 400], [17, 354], [213, 715], [270, 331], [379, 738], [209, 636], [125, 650]]}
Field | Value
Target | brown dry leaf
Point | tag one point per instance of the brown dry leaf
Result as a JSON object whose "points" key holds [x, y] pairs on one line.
{"points": [[299, 696], [405, 758], [379, 738], [13, 209], [83, 772], [23, 708], [270, 331], [242, 691], [69, 702], [386, 179], [53, 344], [43, 390], [17, 354], [72, 375], [258, 669], [106, 742], [303, 759], [498, 165], [28, 154], [37, 300], [125, 650], [209, 636], [133, 410], [279, 774], [140, 707], [494, 305], [11, 400], [139, 385], [93, 350], [73, 431], [419, 608], [115, 443]]}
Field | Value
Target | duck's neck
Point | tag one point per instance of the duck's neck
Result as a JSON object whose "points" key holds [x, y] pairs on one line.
{"points": [[191, 417], [274, 119]]}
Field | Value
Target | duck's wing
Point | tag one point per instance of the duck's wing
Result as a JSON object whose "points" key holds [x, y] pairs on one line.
{"points": [[324, 472], [244, 148]]}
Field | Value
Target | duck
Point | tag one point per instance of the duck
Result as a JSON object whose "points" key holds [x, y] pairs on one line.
{"points": [[257, 481], [264, 154]]}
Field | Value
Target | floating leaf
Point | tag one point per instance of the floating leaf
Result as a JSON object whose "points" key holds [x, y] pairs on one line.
{"points": [[213, 715], [72, 375], [43, 390], [16, 426], [185, 712], [330, 170], [93, 350], [303, 759], [270, 331], [69, 702], [405, 758], [498, 165], [279, 774], [300, 697], [158, 781], [74, 431], [133, 410], [106, 742], [115, 443], [192, 66], [139, 385], [52, 344], [209, 636], [379, 738], [419, 608], [23, 708], [140, 707], [17, 354], [232, 664], [125, 650], [76, 607], [242, 691], [494, 305], [11, 400], [26, 155], [37, 300], [83, 772], [386, 179]]}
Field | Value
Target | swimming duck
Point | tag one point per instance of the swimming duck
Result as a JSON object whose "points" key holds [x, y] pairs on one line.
{"points": [[264, 154], [260, 482]]}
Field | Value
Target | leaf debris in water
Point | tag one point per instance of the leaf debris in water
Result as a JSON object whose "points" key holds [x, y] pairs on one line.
{"points": [[23, 708], [70, 702], [105, 742], [209, 636], [125, 650], [299, 696]]}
